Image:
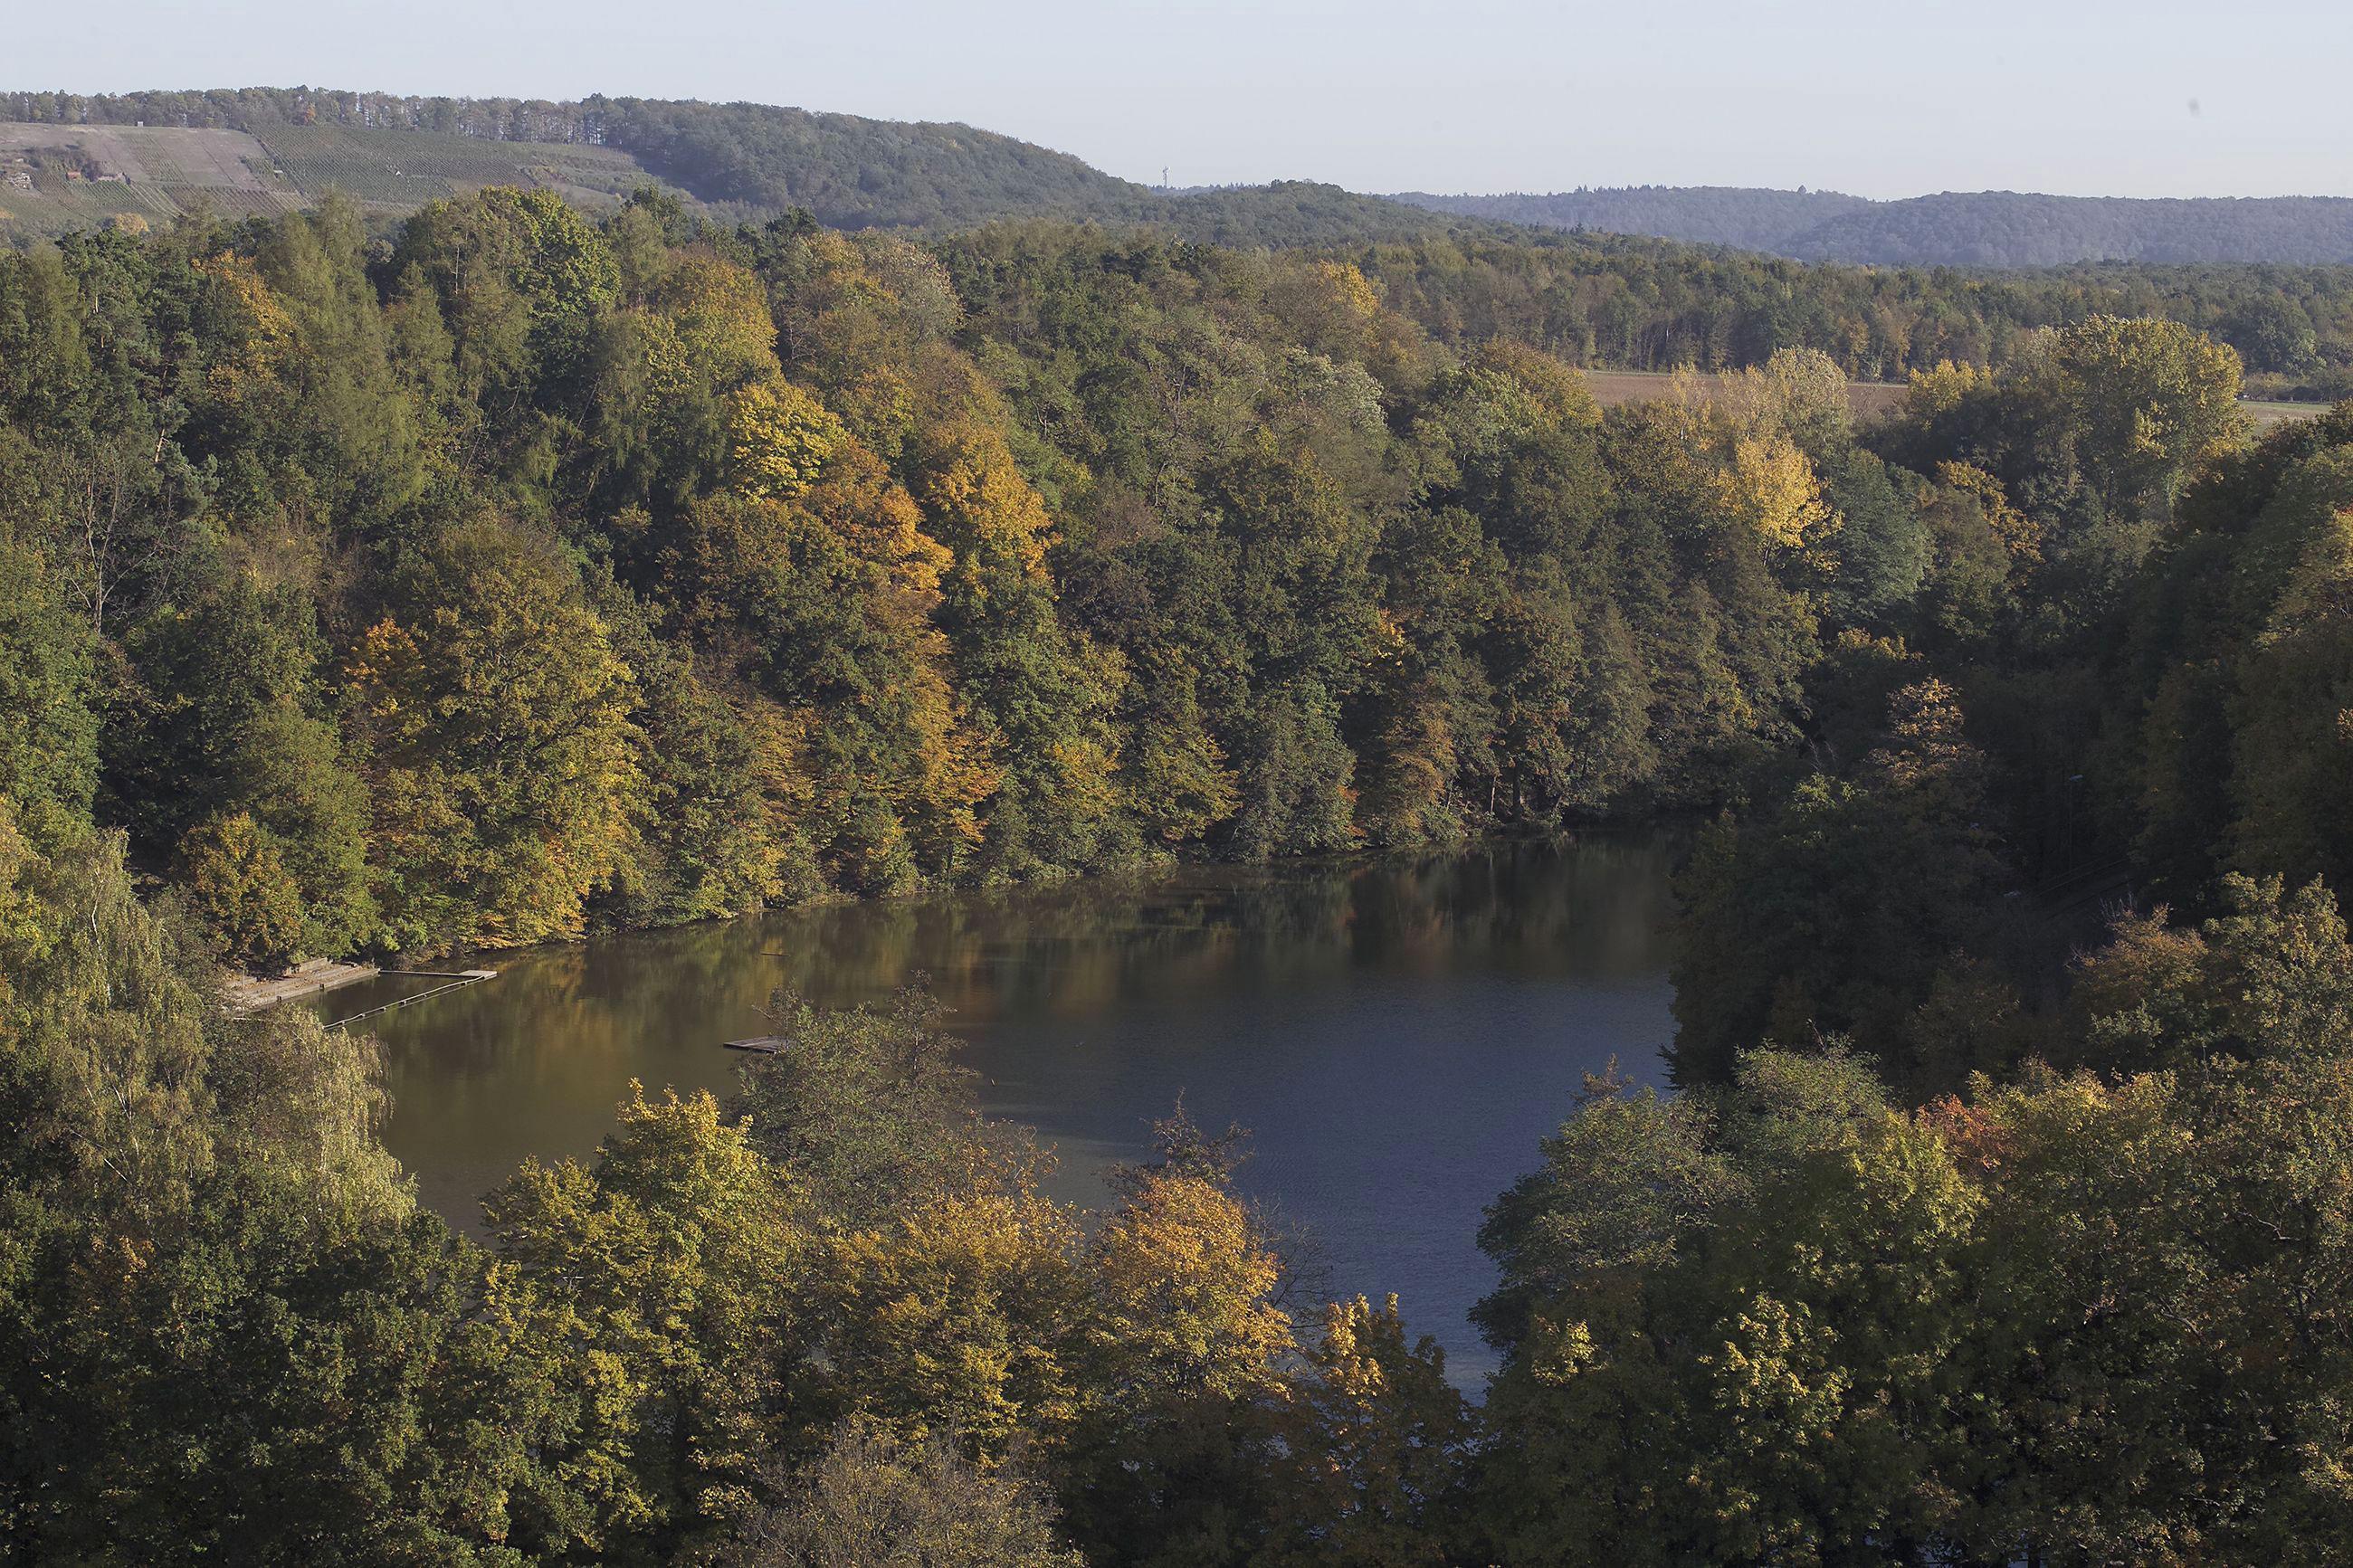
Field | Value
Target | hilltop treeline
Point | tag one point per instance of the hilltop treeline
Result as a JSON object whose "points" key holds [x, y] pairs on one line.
{"points": [[2008, 228], [522, 573], [854, 173], [1600, 300]]}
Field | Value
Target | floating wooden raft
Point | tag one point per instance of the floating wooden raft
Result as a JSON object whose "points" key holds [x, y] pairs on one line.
{"points": [[761, 1044]]}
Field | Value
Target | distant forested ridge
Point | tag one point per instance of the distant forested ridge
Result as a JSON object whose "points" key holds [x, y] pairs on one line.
{"points": [[1750, 218], [1980, 228], [1596, 297]]}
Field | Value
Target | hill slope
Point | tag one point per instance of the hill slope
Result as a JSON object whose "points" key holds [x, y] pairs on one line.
{"points": [[85, 159], [58, 178], [69, 162], [1985, 228]]}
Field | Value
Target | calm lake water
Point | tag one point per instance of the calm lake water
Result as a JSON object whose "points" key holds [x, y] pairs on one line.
{"points": [[1396, 1035]]}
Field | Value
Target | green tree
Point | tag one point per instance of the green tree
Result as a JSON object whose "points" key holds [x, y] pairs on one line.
{"points": [[493, 718], [232, 720], [49, 731], [239, 886], [1834, 913], [650, 1298]]}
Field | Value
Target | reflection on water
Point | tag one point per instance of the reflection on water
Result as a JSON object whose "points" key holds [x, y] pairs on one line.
{"points": [[1396, 1034]]}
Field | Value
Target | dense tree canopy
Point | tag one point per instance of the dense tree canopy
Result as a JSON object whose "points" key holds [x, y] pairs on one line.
{"points": [[524, 574], [527, 574]]}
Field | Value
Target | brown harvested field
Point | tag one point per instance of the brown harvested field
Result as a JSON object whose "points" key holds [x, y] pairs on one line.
{"points": [[1869, 399]]}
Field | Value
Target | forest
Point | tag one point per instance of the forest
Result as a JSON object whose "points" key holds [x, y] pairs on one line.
{"points": [[512, 575]]}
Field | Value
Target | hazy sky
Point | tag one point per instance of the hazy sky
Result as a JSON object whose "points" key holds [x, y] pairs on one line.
{"points": [[1891, 98]]}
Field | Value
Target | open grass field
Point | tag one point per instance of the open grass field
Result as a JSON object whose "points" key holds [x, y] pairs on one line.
{"points": [[1873, 399], [2266, 415]]}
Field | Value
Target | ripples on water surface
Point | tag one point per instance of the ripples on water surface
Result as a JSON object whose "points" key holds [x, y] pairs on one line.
{"points": [[1398, 1034]]}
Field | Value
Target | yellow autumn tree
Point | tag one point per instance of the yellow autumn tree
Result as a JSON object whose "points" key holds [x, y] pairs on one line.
{"points": [[778, 439], [1184, 1286], [1187, 1351], [1770, 486], [1369, 1469], [2144, 400], [2020, 534], [981, 506], [252, 319], [928, 761], [649, 1296], [1801, 393], [720, 314], [831, 595], [1931, 394], [239, 886], [959, 1319], [1044, 691], [1330, 305]]}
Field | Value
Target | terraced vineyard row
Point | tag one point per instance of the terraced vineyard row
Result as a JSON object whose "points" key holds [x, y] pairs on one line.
{"points": [[25, 214], [402, 168]]}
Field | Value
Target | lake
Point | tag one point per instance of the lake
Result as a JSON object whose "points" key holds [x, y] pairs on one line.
{"points": [[1398, 1034]]}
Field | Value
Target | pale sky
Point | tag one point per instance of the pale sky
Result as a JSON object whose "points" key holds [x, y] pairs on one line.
{"points": [[1889, 99]]}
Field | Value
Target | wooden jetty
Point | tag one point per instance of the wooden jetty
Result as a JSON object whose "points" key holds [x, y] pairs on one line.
{"points": [[760, 1044], [453, 979]]}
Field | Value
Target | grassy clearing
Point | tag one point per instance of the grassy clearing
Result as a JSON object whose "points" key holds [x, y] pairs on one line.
{"points": [[1869, 399], [1874, 399], [2266, 415]]}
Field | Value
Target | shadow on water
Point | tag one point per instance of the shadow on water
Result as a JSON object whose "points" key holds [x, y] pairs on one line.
{"points": [[1398, 1034]]}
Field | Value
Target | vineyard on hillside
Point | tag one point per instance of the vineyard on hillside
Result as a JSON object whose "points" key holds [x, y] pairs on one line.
{"points": [[58, 178], [405, 169]]}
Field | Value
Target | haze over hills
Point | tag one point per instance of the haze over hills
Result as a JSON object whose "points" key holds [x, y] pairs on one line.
{"points": [[1983, 228], [69, 161]]}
